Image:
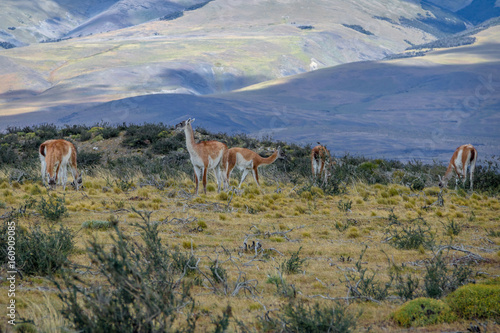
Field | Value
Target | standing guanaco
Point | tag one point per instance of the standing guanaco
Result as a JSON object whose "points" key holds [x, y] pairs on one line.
{"points": [[59, 154]]}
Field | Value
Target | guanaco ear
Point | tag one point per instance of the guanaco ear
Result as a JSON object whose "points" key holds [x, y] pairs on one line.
{"points": [[191, 120], [439, 176]]}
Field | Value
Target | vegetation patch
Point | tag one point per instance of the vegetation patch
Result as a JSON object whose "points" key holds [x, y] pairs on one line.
{"points": [[97, 224], [476, 301], [423, 312], [37, 251]]}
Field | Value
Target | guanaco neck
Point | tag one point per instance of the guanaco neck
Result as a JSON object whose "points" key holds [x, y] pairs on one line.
{"points": [[190, 143], [449, 171]]}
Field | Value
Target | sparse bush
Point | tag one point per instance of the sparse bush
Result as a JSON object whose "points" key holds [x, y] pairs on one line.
{"points": [[282, 287], [422, 312], [97, 225], [452, 228], [476, 301], [406, 285], [294, 264], [38, 252], [142, 295], [88, 159], [344, 206], [439, 280], [408, 237], [219, 274], [364, 286], [52, 209], [301, 317]]}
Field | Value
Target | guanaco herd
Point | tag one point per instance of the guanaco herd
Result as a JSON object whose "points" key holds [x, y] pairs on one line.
{"points": [[214, 155]]}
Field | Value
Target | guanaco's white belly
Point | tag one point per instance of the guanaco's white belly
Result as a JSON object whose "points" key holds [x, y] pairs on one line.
{"points": [[242, 163]]}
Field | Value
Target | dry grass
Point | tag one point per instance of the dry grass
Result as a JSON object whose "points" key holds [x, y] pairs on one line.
{"points": [[282, 223]]}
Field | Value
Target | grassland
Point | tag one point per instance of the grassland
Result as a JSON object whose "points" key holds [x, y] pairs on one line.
{"points": [[335, 233]]}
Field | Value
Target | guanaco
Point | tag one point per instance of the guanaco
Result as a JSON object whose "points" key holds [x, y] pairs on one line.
{"points": [[59, 154]]}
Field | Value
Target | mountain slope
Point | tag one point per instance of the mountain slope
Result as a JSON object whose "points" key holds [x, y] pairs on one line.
{"points": [[222, 46], [422, 107], [127, 13]]}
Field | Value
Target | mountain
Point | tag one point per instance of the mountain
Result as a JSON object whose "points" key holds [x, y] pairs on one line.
{"points": [[221, 46], [419, 107], [300, 70]]}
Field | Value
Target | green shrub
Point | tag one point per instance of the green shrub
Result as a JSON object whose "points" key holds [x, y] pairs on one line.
{"points": [[476, 301], [109, 132], [294, 264], [422, 312], [96, 224], [88, 158], [439, 280], [283, 288], [301, 317], [38, 252], [52, 209], [219, 274], [406, 285], [344, 206], [362, 283], [412, 236], [139, 295], [452, 228], [487, 176]]}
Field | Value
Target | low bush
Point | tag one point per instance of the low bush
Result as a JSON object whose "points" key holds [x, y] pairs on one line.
{"points": [[138, 296], [439, 280], [96, 224], [38, 252], [52, 209], [411, 236], [476, 301], [294, 264], [88, 158], [422, 312], [362, 283], [302, 317]]}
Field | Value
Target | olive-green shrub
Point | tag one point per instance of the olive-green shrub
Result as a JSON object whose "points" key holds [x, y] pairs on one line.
{"points": [[422, 312], [476, 301]]}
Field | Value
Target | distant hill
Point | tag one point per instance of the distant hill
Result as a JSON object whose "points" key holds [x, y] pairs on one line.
{"points": [[300, 70], [421, 107]]}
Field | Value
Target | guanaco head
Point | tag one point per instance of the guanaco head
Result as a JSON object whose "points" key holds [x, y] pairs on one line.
{"points": [[442, 182], [183, 124], [77, 183], [52, 182], [281, 153]]}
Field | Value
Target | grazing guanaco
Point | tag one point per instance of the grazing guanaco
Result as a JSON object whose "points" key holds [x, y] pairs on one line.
{"points": [[248, 160], [205, 155], [465, 156], [59, 154], [321, 161]]}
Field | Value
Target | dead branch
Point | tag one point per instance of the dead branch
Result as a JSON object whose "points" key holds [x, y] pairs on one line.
{"points": [[474, 256]]}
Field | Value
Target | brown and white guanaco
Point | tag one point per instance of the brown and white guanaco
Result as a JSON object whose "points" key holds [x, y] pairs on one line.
{"points": [[321, 161], [59, 154], [205, 155], [464, 157], [249, 161]]}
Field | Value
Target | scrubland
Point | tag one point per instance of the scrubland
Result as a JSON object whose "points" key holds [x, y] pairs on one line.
{"points": [[136, 250]]}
